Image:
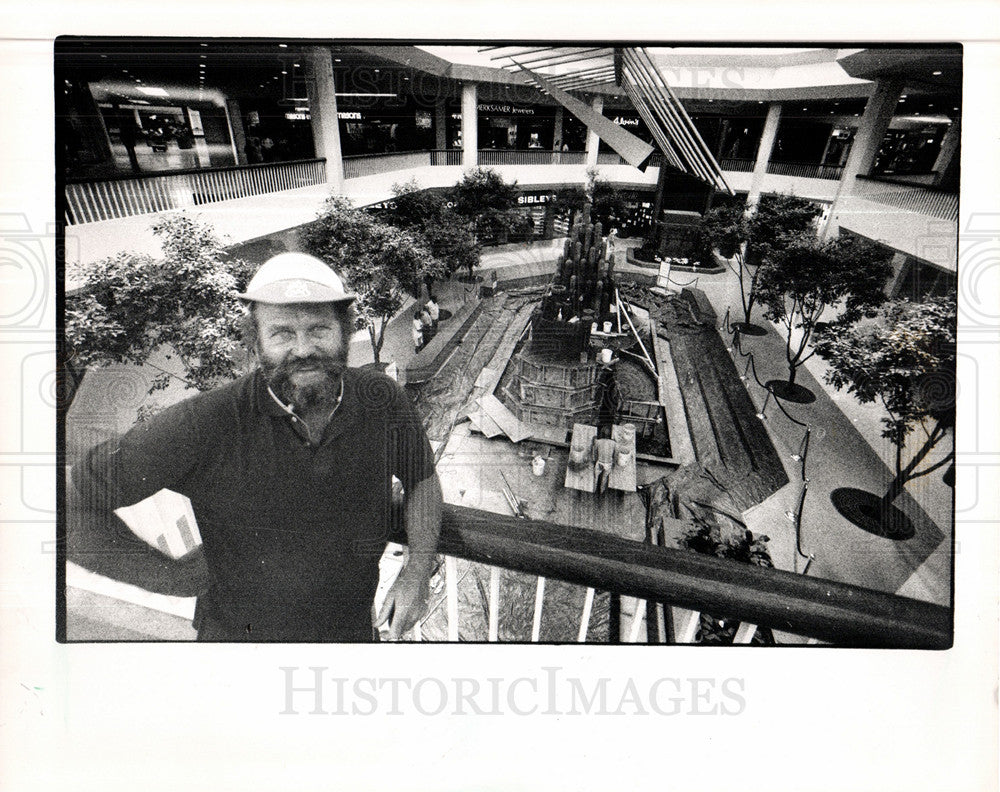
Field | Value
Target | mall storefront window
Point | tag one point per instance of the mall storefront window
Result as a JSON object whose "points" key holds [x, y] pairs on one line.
{"points": [[504, 125], [116, 128]]}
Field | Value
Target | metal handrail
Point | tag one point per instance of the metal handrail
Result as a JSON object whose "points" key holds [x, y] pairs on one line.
{"points": [[827, 610]]}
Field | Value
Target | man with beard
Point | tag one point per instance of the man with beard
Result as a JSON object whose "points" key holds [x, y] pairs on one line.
{"points": [[290, 474]]}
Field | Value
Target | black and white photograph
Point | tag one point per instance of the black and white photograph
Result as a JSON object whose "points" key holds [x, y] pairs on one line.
{"points": [[643, 344], [564, 396]]}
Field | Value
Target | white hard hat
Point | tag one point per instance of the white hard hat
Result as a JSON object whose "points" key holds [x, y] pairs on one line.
{"points": [[296, 278]]}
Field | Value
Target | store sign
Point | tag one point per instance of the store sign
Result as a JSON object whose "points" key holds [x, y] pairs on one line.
{"points": [[534, 199], [349, 116], [622, 121], [504, 108], [297, 116]]}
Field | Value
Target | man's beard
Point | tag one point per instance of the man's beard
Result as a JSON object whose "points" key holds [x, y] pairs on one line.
{"points": [[319, 394]]}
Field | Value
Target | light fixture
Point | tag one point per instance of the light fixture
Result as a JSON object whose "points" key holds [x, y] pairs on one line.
{"points": [[203, 56], [203, 45], [936, 73], [336, 60], [283, 46], [153, 91], [295, 65], [284, 72]]}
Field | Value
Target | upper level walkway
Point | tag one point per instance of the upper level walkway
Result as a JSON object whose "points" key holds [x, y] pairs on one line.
{"points": [[909, 218]]}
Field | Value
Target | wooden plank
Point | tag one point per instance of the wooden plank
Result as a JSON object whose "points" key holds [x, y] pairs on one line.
{"points": [[622, 477], [582, 479], [669, 393], [484, 424], [703, 439], [486, 376], [504, 418]]}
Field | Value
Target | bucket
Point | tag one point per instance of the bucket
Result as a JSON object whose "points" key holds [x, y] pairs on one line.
{"points": [[605, 356], [538, 465], [607, 327], [593, 327]]}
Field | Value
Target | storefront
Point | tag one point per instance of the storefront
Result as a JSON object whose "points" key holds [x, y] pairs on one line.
{"points": [[504, 125]]}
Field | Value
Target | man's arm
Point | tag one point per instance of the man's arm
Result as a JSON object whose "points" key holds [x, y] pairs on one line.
{"points": [[406, 600], [159, 453]]}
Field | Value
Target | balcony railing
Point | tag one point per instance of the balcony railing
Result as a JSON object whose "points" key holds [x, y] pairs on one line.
{"points": [[499, 157], [922, 200], [356, 166], [824, 610], [135, 194], [737, 165], [804, 170]]}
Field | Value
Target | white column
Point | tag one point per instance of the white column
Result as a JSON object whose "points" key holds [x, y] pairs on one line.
{"points": [[322, 93], [593, 142], [470, 126], [767, 138], [949, 147], [878, 114]]}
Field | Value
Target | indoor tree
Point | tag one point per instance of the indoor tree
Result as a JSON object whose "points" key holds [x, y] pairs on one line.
{"points": [[426, 214], [379, 262], [184, 303], [726, 229], [804, 279], [488, 204], [905, 360], [775, 220]]}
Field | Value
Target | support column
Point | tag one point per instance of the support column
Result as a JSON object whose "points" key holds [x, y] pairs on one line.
{"points": [[322, 92], [593, 141], [236, 125], [557, 131], [949, 147], [470, 126], [441, 124], [874, 123], [767, 138]]}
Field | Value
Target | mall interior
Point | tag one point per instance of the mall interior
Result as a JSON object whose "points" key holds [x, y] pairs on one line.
{"points": [[251, 137]]}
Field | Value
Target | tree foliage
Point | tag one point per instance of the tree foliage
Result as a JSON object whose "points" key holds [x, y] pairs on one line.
{"points": [[131, 305], [726, 229], [799, 282], [488, 204], [777, 219], [440, 229], [906, 361], [608, 205], [379, 262]]}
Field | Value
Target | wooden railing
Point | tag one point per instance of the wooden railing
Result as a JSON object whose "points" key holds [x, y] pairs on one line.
{"points": [[922, 200], [824, 610], [805, 170], [136, 194]]}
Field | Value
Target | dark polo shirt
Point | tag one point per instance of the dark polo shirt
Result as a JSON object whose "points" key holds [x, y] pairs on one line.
{"points": [[292, 528]]}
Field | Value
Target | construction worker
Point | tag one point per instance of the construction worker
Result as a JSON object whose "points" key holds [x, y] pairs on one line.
{"points": [[289, 471]]}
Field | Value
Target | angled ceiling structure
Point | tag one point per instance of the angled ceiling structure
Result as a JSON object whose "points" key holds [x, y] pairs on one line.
{"points": [[558, 71]]}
